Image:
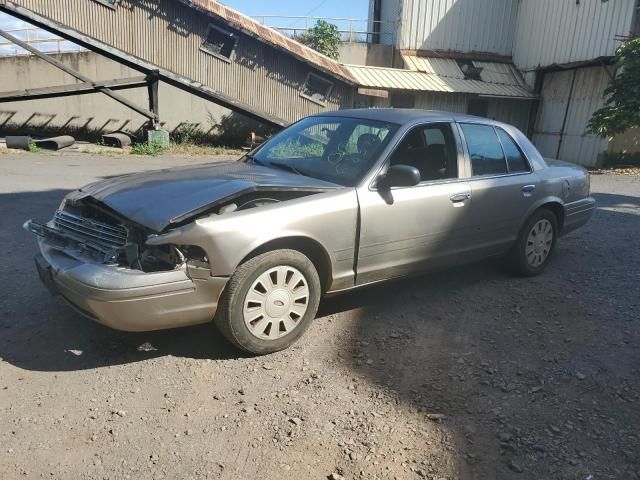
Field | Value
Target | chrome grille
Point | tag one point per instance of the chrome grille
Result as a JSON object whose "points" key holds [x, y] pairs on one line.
{"points": [[95, 232]]}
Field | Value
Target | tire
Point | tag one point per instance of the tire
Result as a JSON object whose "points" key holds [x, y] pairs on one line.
{"points": [[536, 242], [269, 302]]}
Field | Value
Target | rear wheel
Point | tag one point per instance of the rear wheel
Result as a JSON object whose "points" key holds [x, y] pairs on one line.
{"points": [[269, 302], [535, 243]]}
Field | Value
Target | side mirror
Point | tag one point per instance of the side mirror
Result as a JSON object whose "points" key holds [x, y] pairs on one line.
{"points": [[400, 176]]}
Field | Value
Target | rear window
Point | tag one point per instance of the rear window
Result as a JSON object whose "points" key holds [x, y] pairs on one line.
{"points": [[487, 157], [515, 159]]}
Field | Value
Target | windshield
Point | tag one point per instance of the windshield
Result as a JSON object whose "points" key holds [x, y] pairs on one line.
{"points": [[335, 149]]}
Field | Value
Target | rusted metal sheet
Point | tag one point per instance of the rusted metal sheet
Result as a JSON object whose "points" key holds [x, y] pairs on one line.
{"points": [[271, 36], [260, 79]]}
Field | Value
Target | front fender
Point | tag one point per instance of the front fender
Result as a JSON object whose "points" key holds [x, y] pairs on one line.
{"points": [[328, 219]]}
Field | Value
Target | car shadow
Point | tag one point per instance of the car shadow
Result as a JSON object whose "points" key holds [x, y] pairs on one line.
{"points": [[513, 368], [42, 333]]}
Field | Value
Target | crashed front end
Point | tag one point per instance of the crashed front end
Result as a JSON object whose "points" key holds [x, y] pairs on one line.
{"points": [[100, 263]]}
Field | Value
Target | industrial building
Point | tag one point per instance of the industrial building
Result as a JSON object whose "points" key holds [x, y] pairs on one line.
{"points": [[561, 49], [541, 65]]}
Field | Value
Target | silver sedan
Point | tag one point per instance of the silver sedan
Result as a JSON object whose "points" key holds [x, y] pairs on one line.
{"points": [[334, 202]]}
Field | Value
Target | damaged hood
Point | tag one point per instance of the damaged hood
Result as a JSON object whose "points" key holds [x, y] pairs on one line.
{"points": [[160, 198]]}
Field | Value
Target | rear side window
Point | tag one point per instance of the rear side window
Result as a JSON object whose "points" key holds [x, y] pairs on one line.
{"points": [[515, 159], [487, 157]]}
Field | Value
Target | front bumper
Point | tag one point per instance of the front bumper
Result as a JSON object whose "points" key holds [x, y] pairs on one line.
{"points": [[126, 299]]}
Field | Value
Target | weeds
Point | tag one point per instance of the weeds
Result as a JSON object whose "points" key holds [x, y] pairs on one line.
{"points": [[148, 148], [33, 148], [196, 149]]}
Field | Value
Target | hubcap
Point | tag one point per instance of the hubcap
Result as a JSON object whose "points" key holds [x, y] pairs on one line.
{"points": [[276, 302], [539, 242]]}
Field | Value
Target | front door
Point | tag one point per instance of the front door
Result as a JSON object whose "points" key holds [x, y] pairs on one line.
{"points": [[408, 229]]}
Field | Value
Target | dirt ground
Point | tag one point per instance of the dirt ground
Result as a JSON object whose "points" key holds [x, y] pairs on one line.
{"points": [[466, 374]]}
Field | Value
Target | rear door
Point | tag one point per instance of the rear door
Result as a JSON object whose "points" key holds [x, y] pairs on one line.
{"points": [[503, 186]]}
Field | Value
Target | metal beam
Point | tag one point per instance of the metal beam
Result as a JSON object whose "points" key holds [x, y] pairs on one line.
{"points": [[153, 81], [56, 63], [75, 89], [124, 58]]}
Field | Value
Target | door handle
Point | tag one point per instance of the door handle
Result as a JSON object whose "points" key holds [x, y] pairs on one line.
{"points": [[528, 188], [460, 197]]}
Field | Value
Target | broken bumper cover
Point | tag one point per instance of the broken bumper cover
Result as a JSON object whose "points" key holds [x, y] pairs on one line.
{"points": [[126, 299]]}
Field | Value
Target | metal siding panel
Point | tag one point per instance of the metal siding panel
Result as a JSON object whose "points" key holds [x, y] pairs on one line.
{"points": [[577, 146], [513, 112], [561, 31], [457, 25], [393, 78], [169, 34], [586, 98], [442, 101]]}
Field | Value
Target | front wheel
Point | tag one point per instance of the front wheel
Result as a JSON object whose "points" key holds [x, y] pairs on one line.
{"points": [[269, 302], [535, 243]]}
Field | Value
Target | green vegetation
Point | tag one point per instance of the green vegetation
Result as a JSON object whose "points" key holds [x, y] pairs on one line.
{"points": [[201, 150], [148, 148], [622, 106], [192, 134], [323, 37], [33, 148]]}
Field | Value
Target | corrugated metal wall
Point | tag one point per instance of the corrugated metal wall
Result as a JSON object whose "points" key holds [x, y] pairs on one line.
{"points": [[390, 17], [586, 98], [514, 112], [566, 31], [169, 34], [458, 25]]}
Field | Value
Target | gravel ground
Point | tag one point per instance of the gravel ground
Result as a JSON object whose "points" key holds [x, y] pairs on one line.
{"points": [[470, 373]]}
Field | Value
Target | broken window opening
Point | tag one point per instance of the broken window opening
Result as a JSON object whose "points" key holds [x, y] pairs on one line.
{"points": [[108, 3], [469, 70], [219, 43], [317, 89]]}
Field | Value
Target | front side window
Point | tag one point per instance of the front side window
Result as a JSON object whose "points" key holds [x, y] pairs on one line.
{"points": [[219, 42], [487, 157], [335, 149], [515, 159], [432, 150]]}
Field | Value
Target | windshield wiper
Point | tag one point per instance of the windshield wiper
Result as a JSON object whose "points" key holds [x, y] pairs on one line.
{"points": [[286, 166]]}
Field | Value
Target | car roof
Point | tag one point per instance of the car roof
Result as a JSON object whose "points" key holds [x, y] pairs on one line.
{"points": [[405, 115]]}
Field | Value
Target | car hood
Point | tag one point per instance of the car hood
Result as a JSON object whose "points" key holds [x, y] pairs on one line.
{"points": [[160, 198]]}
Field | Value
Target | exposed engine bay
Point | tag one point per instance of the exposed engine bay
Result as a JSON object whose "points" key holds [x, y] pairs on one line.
{"points": [[86, 228]]}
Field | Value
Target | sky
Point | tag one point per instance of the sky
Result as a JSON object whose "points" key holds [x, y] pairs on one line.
{"points": [[316, 8], [356, 9]]}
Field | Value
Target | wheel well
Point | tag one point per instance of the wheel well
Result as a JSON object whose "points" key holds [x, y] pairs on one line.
{"points": [[308, 247], [558, 210]]}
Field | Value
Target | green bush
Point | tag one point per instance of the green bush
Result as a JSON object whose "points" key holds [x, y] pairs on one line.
{"points": [[323, 37], [622, 106]]}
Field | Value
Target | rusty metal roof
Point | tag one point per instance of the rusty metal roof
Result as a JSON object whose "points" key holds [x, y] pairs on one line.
{"points": [[272, 37]]}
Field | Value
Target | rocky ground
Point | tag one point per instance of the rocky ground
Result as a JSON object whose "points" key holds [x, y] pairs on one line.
{"points": [[466, 374]]}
